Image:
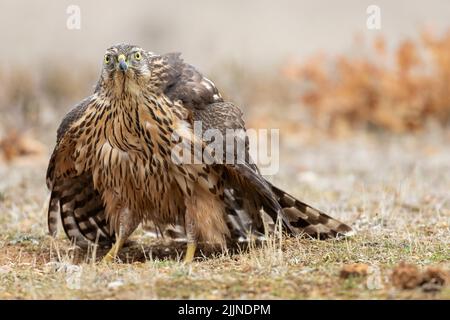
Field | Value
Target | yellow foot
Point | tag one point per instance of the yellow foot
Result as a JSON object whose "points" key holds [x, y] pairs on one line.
{"points": [[191, 247], [108, 258], [112, 253]]}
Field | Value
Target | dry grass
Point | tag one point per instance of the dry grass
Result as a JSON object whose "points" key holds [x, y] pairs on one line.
{"points": [[394, 192]]}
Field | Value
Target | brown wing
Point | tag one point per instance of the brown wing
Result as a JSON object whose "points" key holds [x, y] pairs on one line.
{"points": [[184, 83], [73, 198], [247, 192], [181, 82]]}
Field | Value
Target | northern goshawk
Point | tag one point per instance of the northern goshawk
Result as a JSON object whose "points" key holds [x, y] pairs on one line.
{"points": [[113, 165]]}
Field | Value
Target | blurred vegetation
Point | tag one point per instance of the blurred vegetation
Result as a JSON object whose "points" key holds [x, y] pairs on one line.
{"points": [[26, 92], [32, 103], [401, 91]]}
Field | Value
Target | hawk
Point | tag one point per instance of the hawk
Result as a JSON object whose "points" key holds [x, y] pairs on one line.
{"points": [[113, 166]]}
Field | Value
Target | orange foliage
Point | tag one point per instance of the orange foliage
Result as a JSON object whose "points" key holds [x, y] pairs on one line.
{"points": [[16, 144], [369, 92]]}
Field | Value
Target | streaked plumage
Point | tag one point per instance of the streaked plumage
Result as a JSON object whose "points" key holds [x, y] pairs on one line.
{"points": [[111, 168]]}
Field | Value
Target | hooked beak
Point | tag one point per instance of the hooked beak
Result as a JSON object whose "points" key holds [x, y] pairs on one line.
{"points": [[123, 66]]}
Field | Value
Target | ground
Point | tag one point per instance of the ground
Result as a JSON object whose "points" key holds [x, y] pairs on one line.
{"points": [[394, 191]]}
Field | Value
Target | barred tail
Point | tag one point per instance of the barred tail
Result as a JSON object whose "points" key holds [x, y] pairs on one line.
{"points": [[81, 210], [308, 220], [53, 213]]}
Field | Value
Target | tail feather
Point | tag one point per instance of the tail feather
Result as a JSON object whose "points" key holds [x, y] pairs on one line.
{"points": [[53, 213], [81, 210], [241, 224], [308, 220]]}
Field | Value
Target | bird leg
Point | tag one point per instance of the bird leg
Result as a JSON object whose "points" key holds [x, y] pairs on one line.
{"points": [[190, 252], [127, 224], [191, 234], [112, 253]]}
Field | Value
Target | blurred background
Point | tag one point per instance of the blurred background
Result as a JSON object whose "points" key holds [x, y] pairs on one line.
{"points": [[359, 110], [317, 60]]}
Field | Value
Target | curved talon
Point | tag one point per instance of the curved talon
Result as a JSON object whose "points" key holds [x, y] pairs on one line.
{"points": [[112, 253], [108, 258]]}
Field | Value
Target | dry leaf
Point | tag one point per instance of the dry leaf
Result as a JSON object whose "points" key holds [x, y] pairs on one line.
{"points": [[354, 270]]}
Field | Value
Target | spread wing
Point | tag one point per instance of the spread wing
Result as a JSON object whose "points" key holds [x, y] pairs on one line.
{"points": [[182, 83], [73, 199], [248, 195]]}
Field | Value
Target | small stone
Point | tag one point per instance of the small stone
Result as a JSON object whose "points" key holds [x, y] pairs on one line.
{"points": [[115, 284]]}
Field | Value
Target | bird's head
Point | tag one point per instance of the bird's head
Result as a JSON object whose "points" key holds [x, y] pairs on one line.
{"points": [[125, 68]]}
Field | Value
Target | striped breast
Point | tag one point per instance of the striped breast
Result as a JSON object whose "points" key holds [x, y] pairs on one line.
{"points": [[128, 151]]}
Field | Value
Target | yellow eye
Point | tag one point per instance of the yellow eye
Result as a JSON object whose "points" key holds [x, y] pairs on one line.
{"points": [[107, 59], [138, 56]]}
